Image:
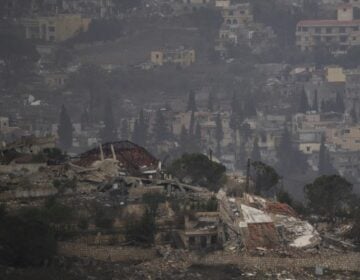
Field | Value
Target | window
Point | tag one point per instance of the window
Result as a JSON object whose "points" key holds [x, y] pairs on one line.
{"points": [[305, 29], [308, 148], [343, 38], [317, 29], [51, 38], [342, 29], [356, 28], [51, 28], [328, 30]]}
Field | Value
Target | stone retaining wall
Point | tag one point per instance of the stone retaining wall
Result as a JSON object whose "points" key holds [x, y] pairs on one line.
{"points": [[347, 262], [341, 262], [106, 253]]}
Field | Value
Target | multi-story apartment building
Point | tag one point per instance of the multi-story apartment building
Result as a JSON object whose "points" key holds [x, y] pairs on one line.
{"points": [[181, 56], [352, 90], [235, 15], [56, 28], [338, 34]]}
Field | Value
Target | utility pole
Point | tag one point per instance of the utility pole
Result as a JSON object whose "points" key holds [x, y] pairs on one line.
{"points": [[247, 176]]}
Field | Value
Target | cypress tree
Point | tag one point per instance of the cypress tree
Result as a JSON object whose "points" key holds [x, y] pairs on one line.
{"points": [[184, 139], [197, 137], [242, 156], [140, 131], [219, 134], [340, 107], [210, 105], [316, 101], [284, 151], [255, 153], [192, 123], [65, 130], [191, 106], [143, 129], [324, 165], [135, 134], [161, 130], [303, 104], [109, 131], [125, 129]]}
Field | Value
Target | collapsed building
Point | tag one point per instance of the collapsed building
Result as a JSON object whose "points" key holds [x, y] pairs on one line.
{"points": [[254, 222], [131, 158]]}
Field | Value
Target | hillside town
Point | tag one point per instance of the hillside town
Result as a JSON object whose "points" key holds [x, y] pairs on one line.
{"points": [[180, 139]]}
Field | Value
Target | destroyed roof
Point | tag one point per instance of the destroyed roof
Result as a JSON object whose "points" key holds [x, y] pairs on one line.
{"points": [[130, 156]]}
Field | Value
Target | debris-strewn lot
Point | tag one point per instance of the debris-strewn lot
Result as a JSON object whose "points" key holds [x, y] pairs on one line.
{"points": [[87, 269]]}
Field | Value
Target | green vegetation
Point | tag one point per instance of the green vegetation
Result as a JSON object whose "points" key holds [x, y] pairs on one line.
{"points": [[103, 219], [141, 231], [99, 30], [328, 195], [200, 170], [25, 239], [265, 177]]}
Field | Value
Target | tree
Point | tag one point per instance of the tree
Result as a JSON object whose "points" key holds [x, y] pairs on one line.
{"points": [[303, 103], [265, 177], [192, 123], [191, 106], [18, 56], [25, 240], [108, 133], [242, 156], [210, 104], [103, 219], [316, 101], [236, 117], [328, 195], [200, 170], [339, 103], [125, 133], [324, 166], [290, 159], [141, 231], [284, 197], [140, 132], [184, 139], [91, 80], [160, 129], [219, 134], [197, 137], [255, 153], [65, 130]]}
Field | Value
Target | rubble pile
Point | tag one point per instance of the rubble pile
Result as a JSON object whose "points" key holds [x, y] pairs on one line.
{"points": [[260, 223]]}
